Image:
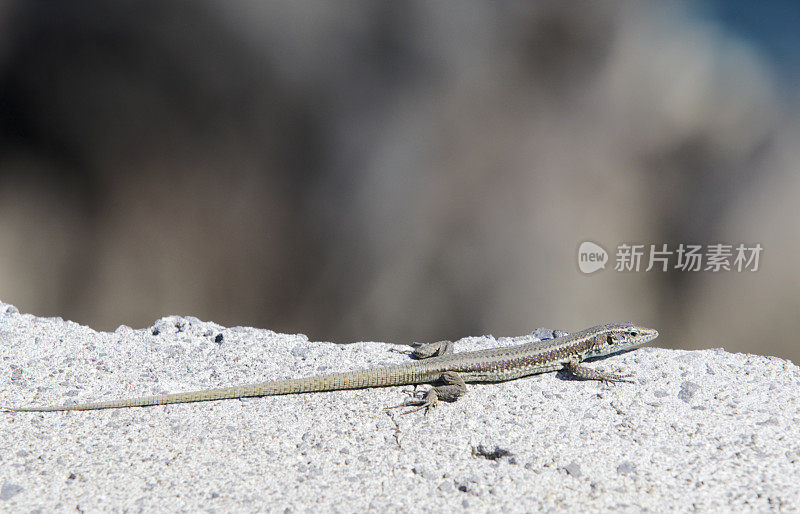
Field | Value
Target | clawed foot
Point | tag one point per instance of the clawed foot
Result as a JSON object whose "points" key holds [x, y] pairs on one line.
{"points": [[426, 400], [427, 350], [452, 388], [614, 377], [587, 373]]}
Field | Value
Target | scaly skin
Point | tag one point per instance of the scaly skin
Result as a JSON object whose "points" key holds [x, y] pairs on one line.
{"points": [[437, 365]]}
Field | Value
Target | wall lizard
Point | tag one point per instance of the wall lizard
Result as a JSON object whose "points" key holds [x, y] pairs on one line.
{"points": [[437, 364]]}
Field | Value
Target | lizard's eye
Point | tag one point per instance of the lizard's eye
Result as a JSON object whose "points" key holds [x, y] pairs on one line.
{"points": [[634, 334], [610, 339]]}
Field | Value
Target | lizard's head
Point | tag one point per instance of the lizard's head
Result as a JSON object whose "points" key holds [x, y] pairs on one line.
{"points": [[619, 336]]}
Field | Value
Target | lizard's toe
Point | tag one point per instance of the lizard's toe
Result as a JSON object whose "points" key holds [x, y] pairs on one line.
{"points": [[427, 401]]}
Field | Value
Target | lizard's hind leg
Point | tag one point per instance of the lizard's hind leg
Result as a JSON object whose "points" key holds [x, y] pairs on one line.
{"points": [[425, 350], [452, 389]]}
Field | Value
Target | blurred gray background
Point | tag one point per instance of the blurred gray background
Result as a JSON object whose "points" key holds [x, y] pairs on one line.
{"points": [[400, 171]]}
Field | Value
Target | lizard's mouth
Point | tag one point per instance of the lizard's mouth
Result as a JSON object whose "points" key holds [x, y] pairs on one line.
{"points": [[646, 335], [649, 334]]}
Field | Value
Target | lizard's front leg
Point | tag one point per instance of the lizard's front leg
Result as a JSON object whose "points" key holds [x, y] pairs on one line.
{"points": [[587, 373], [453, 387]]}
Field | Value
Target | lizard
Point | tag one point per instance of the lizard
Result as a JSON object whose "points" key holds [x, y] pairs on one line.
{"points": [[437, 364]]}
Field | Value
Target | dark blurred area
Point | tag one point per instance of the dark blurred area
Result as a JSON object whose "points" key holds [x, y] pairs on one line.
{"points": [[400, 171]]}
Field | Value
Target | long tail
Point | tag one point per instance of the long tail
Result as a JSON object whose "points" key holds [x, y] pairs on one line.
{"points": [[396, 375]]}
